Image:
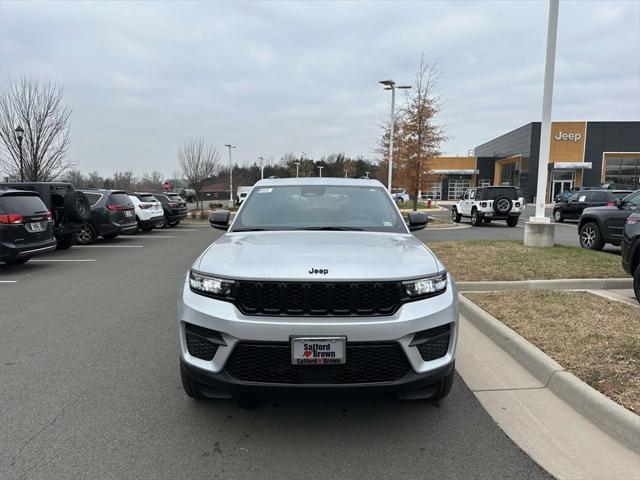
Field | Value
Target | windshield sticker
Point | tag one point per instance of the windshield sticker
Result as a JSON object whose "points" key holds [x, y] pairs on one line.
{"points": [[265, 190], [387, 224]]}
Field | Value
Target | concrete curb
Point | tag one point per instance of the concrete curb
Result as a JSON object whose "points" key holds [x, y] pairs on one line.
{"points": [[599, 409], [562, 284]]}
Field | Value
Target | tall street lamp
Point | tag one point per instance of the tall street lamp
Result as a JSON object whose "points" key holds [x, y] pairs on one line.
{"points": [[391, 85], [229, 146], [320, 167], [297, 169], [19, 132], [261, 167]]}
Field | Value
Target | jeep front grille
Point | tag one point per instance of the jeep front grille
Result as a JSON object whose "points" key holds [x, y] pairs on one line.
{"points": [[270, 362], [318, 298]]}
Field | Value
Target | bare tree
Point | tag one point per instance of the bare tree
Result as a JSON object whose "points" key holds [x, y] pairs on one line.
{"points": [[417, 136], [39, 109], [198, 162]]}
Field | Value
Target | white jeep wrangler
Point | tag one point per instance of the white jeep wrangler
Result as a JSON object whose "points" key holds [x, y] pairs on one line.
{"points": [[484, 204]]}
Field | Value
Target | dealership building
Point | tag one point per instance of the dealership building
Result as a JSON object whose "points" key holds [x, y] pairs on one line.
{"points": [[581, 154]]}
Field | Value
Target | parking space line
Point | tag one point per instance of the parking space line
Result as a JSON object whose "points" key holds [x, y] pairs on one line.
{"points": [[188, 229], [8, 281], [63, 260], [152, 236], [108, 246]]}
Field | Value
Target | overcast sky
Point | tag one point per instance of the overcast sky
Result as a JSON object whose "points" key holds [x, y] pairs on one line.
{"points": [[278, 77]]}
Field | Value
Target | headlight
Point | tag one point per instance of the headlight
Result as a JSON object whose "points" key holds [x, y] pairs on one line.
{"points": [[426, 286], [212, 286]]}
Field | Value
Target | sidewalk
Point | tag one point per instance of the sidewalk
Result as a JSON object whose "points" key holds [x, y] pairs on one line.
{"points": [[549, 430]]}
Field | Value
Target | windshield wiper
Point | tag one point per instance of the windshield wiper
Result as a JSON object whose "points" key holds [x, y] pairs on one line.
{"points": [[248, 229], [336, 229]]}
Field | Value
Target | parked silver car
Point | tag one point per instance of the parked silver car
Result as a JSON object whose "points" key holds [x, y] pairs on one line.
{"points": [[318, 284]]}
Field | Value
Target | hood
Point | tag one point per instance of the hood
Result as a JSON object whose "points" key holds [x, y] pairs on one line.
{"points": [[328, 256]]}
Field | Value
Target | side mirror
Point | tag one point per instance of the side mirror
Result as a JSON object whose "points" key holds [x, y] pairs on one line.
{"points": [[220, 219], [462, 197], [417, 221], [619, 202]]}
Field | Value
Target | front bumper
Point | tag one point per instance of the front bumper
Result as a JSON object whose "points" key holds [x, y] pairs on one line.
{"points": [[399, 328]]}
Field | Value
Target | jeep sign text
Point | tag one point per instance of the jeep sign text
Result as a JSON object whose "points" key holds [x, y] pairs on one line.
{"points": [[572, 137]]}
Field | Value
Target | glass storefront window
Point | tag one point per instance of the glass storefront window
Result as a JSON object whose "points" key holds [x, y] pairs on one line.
{"points": [[624, 170]]}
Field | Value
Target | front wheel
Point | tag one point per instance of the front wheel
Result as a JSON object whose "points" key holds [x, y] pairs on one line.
{"points": [[455, 216], [591, 237], [512, 221], [444, 387], [190, 386], [476, 219], [557, 216], [636, 283]]}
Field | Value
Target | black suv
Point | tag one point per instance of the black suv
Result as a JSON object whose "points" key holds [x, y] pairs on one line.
{"points": [[572, 208], [69, 208], [631, 250], [175, 208], [26, 227], [112, 213], [600, 225]]}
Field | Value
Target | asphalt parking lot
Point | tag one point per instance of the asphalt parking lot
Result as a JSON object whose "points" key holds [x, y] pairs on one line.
{"points": [[91, 389]]}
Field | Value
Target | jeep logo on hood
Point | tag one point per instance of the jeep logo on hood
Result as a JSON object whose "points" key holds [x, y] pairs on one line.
{"points": [[318, 271]]}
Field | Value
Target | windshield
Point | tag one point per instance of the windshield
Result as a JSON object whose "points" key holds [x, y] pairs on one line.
{"points": [[318, 207], [147, 198]]}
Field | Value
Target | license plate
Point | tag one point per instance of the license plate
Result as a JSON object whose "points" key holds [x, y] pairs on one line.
{"points": [[488, 214], [318, 350], [128, 213], [36, 227]]}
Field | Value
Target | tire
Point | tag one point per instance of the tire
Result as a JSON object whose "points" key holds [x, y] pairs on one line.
{"points": [[455, 216], [502, 205], [636, 283], [161, 224], [110, 237], [76, 206], [557, 216], [65, 242], [444, 387], [512, 221], [399, 201], [16, 261], [175, 224], [591, 237], [476, 219], [190, 386], [86, 235]]}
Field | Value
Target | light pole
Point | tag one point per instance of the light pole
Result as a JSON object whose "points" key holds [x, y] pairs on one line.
{"points": [[297, 168], [261, 167], [391, 85], [229, 146], [320, 167], [539, 231], [345, 174], [19, 131], [367, 174]]}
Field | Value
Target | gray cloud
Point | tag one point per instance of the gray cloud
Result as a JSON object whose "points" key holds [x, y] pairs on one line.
{"points": [[277, 77]]}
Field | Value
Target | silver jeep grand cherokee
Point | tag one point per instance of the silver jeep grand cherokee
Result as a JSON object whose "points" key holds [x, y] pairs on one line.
{"points": [[318, 284]]}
